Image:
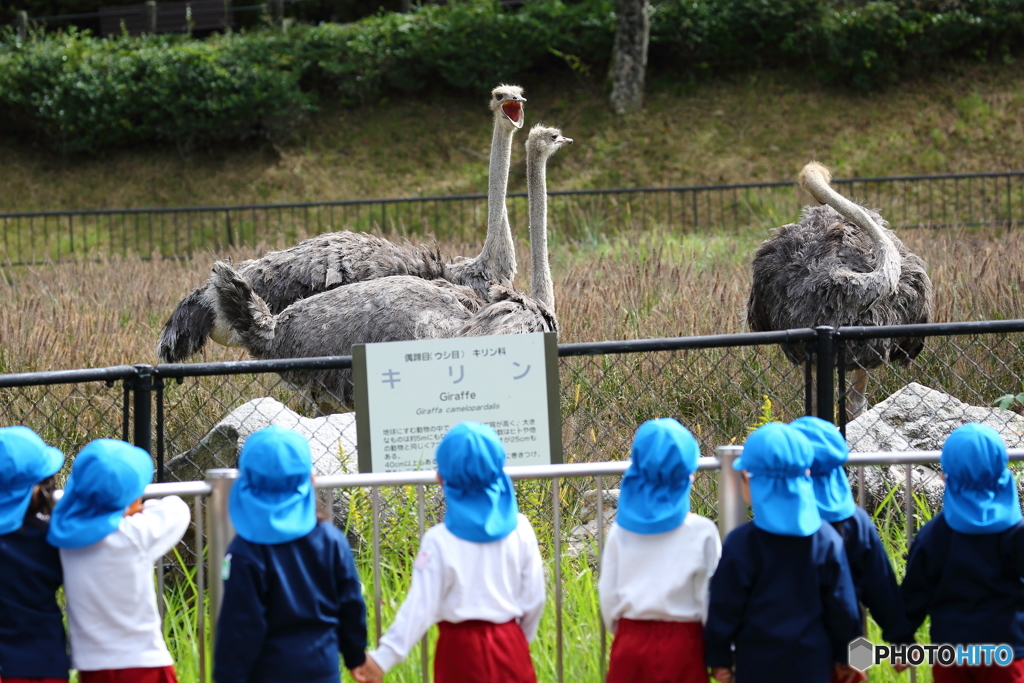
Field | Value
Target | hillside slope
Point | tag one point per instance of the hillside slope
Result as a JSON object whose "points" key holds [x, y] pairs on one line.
{"points": [[762, 126]]}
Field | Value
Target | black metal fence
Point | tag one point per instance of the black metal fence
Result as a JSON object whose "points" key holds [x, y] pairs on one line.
{"points": [[939, 201]]}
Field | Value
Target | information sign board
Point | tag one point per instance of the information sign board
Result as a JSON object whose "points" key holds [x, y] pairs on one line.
{"points": [[408, 394]]}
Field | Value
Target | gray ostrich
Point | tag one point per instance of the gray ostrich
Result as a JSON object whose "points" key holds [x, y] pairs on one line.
{"points": [[335, 259], [392, 308], [840, 265]]}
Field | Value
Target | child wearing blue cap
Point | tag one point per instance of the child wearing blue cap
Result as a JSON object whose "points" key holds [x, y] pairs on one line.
{"points": [[109, 544], [966, 565], [478, 575], [32, 640], [657, 563], [873, 576], [292, 597], [782, 594]]}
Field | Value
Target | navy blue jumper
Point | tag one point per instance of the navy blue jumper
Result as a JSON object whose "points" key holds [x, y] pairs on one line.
{"points": [[32, 639], [288, 609], [786, 602], [971, 585], [873, 576]]}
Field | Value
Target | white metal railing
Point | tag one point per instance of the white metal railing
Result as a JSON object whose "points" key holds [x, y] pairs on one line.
{"points": [[732, 511]]}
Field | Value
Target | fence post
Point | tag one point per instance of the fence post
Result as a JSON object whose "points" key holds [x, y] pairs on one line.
{"points": [[21, 25], [826, 367], [150, 16], [219, 534], [143, 408], [277, 12], [732, 509]]}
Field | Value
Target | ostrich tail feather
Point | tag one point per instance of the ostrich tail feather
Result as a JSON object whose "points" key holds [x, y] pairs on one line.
{"points": [[187, 329], [240, 311]]}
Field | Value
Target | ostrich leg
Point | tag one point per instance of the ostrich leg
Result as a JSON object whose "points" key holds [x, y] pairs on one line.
{"points": [[856, 397]]}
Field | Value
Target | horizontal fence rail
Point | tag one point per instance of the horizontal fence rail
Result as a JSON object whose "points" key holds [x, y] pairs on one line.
{"points": [[935, 201]]}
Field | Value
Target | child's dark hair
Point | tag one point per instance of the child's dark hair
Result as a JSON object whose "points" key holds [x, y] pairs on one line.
{"points": [[42, 502]]}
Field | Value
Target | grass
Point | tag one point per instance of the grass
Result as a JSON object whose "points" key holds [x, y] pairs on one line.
{"points": [[758, 126]]}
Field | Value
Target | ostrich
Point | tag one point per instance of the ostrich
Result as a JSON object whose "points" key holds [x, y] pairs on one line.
{"points": [[331, 260], [393, 308], [840, 265]]}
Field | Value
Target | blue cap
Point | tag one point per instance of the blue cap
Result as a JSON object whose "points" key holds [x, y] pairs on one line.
{"points": [[981, 495], [106, 477], [25, 460], [480, 500], [655, 491], [831, 487], [272, 501], [777, 458]]}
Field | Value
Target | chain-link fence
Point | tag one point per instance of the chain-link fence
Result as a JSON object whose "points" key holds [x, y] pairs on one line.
{"points": [[937, 201]]}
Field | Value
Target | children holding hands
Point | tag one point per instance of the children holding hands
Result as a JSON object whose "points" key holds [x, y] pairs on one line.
{"points": [[657, 563]]}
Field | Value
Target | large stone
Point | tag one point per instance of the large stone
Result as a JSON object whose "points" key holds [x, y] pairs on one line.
{"points": [[583, 537], [917, 418], [332, 440]]}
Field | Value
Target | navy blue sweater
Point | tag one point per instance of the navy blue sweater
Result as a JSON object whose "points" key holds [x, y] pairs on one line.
{"points": [[971, 585], [786, 602], [873, 577], [289, 609], [32, 639]]}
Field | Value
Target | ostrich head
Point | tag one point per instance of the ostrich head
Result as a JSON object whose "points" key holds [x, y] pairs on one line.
{"points": [[545, 141], [812, 177], [507, 104]]}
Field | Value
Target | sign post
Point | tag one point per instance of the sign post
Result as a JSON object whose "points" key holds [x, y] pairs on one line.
{"points": [[408, 395]]}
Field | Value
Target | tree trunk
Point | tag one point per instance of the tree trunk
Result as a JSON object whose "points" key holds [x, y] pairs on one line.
{"points": [[629, 56]]}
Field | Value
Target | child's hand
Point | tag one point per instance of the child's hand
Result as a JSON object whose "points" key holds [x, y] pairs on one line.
{"points": [[369, 672], [901, 667], [722, 674]]}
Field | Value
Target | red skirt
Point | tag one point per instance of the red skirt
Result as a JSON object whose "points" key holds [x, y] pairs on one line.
{"points": [[658, 652], [980, 674], [482, 652], [159, 674]]}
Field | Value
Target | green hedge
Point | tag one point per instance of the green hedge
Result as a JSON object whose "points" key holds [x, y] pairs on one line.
{"points": [[85, 93]]}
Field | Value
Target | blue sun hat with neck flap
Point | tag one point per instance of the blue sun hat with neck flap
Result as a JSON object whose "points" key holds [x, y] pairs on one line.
{"points": [[25, 460], [480, 500], [776, 457], [981, 494], [107, 476], [655, 491], [831, 487], [272, 501]]}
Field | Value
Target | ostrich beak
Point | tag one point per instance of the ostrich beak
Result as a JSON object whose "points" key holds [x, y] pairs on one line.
{"points": [[513, 111], [564, 140]]}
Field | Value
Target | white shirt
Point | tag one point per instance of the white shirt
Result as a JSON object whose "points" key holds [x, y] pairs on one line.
{"points": [[111, 602], [457, 580], [659, 577]]}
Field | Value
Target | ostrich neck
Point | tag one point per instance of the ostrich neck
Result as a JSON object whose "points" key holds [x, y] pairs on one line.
{"points": [[541, 287], [499, 252], [884, 279]]}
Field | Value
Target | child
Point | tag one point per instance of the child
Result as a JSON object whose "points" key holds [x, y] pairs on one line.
{"points": [[32, 641], [658, 562], [782, 593], [873, 576], [292, 597], [966, 566], [479, 573], [108, 552]]}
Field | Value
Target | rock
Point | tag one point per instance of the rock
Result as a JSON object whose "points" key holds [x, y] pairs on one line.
{"points": [[917, 418], [583, 537], [332, 440]]}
